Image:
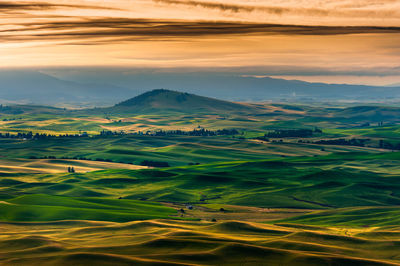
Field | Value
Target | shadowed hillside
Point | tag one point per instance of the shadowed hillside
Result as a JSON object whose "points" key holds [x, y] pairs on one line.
{"points": [[167, 242], [370, 113]]}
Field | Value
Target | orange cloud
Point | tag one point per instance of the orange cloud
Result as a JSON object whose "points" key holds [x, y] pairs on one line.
{"points": [[340, 34]]}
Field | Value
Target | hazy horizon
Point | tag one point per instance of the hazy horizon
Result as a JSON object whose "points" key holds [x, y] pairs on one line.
{"points": [[344, 41], [105, 86]]}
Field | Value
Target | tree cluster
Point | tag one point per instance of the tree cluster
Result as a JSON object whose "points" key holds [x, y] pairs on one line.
{"points": [[290, 133], [389, 146], [348, 142], [154, 163], [30, 135], [71, 170], [10, 110], [198, 132]]}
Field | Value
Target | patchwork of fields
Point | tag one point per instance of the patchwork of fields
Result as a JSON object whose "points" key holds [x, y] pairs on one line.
{"points": [[168, 242], [237, 199]]}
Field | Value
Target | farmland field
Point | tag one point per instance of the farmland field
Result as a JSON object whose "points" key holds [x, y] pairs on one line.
{"points": [[200, 132], [114, 187]]}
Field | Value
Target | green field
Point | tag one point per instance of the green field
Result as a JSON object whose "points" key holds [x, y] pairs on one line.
{"points": [[297, 211], [222, 200], [333, 181]]}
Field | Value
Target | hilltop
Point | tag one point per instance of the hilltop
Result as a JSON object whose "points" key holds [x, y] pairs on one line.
{"points": [[167, 100]]}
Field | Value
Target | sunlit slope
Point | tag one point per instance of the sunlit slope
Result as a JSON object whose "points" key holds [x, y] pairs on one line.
{"points": [[353, 217], [38, 207], [326, 182], [166, 242], [339, 209], [58, 166], [176, 150]]}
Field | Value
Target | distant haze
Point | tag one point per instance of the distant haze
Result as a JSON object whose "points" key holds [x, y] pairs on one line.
{"points": [[106, 87], [303, 39]]}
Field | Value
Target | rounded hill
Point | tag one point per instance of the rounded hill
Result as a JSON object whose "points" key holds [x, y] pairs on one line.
{"points": [[167, 100]]}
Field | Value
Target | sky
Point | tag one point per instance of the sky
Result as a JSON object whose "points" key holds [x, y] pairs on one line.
{"points": [[335, 41]]}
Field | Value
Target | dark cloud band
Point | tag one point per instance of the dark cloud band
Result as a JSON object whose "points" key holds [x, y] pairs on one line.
{"points": [[344, 11], [23, 7], [147, 28]]}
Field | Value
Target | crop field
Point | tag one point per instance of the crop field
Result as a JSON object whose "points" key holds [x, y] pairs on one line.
{"points": [[200, 132], [338, 209], [138, 198], [168, 242], [176, 150], [35, 166]]}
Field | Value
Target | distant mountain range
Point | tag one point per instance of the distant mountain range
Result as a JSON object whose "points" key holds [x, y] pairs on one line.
{"points": [[167, 102], [162, 100], [33, 87]]}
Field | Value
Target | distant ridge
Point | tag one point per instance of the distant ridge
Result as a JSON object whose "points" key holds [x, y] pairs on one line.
{"points": [[106, 87], [33, 87], [168, 100]]}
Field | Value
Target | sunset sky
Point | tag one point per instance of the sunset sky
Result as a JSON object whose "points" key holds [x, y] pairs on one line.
{"points": [[352, 41]]}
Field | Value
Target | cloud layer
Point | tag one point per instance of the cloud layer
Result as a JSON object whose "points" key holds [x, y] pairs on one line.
{"points": [[16, 7], [80, 20], [137, 29], [310, 8], [339, 36]]}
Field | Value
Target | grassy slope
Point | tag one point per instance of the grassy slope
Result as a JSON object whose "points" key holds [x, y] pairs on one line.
{"points": [[43, 166], [345, 236], [354, 196], [350, 217], [176, 150], [333, 181], [161, 242], [39, 207]]}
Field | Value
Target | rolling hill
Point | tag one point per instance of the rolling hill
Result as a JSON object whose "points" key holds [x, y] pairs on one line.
{"points": [[370, 113], [167, 100]]}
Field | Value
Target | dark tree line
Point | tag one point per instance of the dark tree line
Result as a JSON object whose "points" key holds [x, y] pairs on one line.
{"points": [[343, 142], [389, 146], [154, 163], [77, 158], [10, 110], [290, 133], [358, 142], [194, 132], [30, 135], [112, 133], [198, 132]]}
